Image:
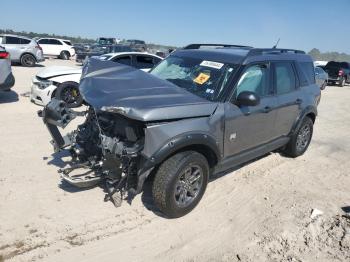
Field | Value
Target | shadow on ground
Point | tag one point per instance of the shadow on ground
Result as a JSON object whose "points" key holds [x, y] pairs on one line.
{"points": [[8, 97]]}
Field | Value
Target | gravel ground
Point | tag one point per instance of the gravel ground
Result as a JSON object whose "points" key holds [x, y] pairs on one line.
{"points": [[260, 212]]}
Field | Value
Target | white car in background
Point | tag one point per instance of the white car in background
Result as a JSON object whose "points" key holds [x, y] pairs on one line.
{"points": [[61, 48], [62, 82]]}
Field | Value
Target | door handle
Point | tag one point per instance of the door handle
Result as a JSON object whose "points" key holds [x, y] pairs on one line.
{"points": [[267, 109], [298, 101]]}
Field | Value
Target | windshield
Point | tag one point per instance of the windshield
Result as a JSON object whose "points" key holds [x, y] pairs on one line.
{"points": [[203, 78]]}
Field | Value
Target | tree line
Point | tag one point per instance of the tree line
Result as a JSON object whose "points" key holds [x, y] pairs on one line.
{"points": [[329, 56]]}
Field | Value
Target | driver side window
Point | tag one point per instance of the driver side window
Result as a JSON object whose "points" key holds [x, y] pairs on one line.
{"points": [[254, 79]]}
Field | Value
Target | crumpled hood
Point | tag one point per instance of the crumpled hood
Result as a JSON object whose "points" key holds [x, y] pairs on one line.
{"points": [[113, 87], [52, 71]]}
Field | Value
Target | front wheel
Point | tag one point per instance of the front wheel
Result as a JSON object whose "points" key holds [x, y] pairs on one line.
{"points": [[301, 139], [323, 86], [180, 183], [69, 93]]}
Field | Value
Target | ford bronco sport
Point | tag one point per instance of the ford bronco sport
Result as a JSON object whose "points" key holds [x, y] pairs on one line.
{"points": [[198, 112]]}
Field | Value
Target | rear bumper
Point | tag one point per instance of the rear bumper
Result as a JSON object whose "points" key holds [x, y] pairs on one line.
{"points": [[8, 83]]}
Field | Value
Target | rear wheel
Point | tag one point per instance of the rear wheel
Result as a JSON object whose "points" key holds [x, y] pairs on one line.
{"points": [[64, 55], [69, 93], [342, 82], [180, 183], [301, 139], [28, 60]]}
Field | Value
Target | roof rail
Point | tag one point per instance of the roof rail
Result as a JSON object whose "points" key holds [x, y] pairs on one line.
{"points": [[261, 51], [198, 46]]}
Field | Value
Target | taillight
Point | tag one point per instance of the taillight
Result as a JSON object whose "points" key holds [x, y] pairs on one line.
{"points": [[39, 47], [341, 72], [4, 55]]}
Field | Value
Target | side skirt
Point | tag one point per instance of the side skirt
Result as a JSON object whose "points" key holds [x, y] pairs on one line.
{"points": [[247, 155]]}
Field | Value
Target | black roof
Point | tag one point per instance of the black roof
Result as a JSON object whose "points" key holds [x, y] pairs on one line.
{"points": [[242, 54]]}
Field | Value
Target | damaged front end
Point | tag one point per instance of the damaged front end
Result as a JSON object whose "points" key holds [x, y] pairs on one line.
{"points": [[106, 148]]}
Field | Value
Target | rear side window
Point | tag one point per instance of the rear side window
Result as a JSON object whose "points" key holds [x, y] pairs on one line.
{"points": [[24, 41], [67, 42], [308, 70], [285, 80], [144, 62]]}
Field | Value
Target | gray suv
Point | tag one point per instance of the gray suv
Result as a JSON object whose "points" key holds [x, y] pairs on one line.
{"points": [[23, 50], [6, 77], [200, 111]]}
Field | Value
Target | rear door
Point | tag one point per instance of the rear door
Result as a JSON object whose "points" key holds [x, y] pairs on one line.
{"points": [[249, 126], [289, 96], [55, 47]]}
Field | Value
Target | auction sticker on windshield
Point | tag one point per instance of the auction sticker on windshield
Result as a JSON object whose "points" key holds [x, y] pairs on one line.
{"points": [[201, 78], [212, 64]]}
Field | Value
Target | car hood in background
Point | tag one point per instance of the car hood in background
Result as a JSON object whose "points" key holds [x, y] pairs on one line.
{"points": [[58, 71], [113, 87]]}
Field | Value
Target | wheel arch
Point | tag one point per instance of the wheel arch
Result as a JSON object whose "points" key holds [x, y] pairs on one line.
{"points": [[28, 53], [309, 111]]}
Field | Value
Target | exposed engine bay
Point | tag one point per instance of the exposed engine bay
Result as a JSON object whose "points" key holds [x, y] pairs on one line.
{"points": [[105, 147]]}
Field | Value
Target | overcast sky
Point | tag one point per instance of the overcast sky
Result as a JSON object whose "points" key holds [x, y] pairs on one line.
{"points": [[301, 24]]}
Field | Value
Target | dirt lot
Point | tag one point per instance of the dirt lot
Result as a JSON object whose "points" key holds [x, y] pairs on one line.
{"points": [[260, 212]]}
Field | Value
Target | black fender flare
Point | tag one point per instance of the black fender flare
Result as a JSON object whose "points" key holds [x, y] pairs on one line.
{"points": [[308, 110], [171, 146]]}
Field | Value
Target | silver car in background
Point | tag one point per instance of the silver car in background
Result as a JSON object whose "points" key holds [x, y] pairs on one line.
{"points": [[321, 77], [6, 77], [23, 50]]}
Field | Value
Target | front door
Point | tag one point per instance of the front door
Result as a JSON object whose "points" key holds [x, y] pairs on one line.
{"points": [[249, 126]]}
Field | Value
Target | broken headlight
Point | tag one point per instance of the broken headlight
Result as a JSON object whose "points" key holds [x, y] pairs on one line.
{"points": [[42, 84]]}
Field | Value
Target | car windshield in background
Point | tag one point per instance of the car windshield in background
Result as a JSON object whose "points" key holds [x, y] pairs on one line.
{"points": [[206, 79]]}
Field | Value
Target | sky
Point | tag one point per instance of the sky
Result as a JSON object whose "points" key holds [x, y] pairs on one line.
{"points": [[300, 24]]}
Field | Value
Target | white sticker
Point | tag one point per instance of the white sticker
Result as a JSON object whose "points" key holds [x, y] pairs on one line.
{"points": [[212, 64]]}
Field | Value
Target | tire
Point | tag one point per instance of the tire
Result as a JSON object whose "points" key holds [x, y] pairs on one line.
{"points": [[323, 86], [64, 55], [172, 191], [342, 82], [28, 60], [69, 93], [301, 139]]}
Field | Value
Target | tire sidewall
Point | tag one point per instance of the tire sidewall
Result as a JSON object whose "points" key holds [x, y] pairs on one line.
{"points": [[25, 56], [191, 159], [306, 121], [64, 55]]}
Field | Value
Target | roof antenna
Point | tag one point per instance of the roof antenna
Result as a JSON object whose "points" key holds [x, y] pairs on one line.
{"points": [[275, 46]]}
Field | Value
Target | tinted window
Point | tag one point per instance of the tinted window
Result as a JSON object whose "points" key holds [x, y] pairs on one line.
{"points": [[24, 41], [54, 42], [43, 41], [254, 79], [144, 61], [13, 40], [284, 77], [67, 42], [156, 60], [125, 60], [309, 71]]}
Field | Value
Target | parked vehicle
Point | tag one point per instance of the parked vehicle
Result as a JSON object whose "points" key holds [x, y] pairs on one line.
{"points": [[338, 72], [60, 48], [62, 82], [106, 41], [22, 49], [198, 112], [321, 77], [137, 45], [98, 50], [7, 79]]}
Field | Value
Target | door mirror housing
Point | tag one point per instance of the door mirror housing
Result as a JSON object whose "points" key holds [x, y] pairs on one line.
{"points": [[247, 98]]}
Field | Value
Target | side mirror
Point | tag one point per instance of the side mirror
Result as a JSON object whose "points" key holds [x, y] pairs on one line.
{"points": [[247, 98]]}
